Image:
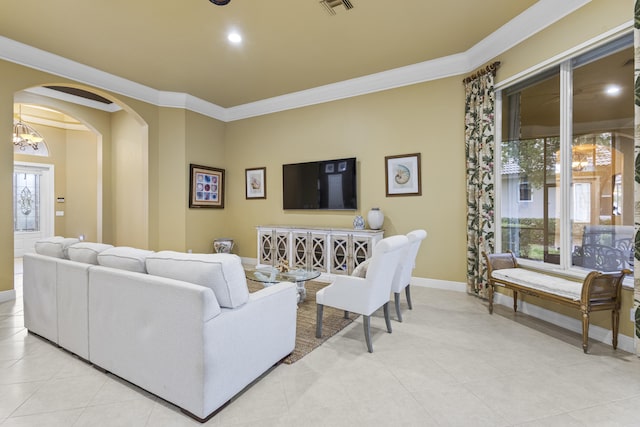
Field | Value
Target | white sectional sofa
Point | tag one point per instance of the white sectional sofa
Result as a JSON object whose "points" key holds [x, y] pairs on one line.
{"points": [[181, 326]]}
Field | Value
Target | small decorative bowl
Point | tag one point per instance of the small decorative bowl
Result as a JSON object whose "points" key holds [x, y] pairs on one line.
{"points": [[223, 246]]}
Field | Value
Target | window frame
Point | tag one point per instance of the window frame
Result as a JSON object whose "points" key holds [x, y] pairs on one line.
{"points": [[524, 186], [592, 50]]}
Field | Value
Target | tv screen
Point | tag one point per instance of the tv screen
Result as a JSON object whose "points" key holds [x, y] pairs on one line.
{"points": [[327, 184]]}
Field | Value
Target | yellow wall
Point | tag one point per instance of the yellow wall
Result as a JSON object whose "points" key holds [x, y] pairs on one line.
{"points": [[205, 145], [81, 196], [6, 191], [172, 178], [129, 178], [427, 118]]}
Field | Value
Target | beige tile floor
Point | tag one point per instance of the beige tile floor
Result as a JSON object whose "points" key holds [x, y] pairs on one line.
{"points": [[449, 363]]}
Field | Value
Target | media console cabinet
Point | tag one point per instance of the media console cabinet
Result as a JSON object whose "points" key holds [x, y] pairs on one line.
{"points": [[328, 250]]}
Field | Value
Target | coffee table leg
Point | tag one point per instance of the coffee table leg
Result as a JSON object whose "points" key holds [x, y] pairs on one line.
{"points": [[302, 291]]}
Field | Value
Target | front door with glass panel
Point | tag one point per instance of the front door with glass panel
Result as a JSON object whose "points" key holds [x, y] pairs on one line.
{"points": [[32, 201]]}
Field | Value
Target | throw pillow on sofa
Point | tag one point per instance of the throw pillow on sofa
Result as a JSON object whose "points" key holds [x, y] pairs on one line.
{"points": [[55, 246], [223, 273], [125, 258], [86, 252]]}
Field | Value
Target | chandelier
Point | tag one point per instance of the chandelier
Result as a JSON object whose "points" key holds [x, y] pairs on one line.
{"points": [[24, 136]]}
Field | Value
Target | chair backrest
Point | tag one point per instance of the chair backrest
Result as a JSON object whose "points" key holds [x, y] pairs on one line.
{"points": [[408, 262], [382, 268]]}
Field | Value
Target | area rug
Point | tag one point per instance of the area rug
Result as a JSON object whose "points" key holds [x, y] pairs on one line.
{"points": [[333, 321]]}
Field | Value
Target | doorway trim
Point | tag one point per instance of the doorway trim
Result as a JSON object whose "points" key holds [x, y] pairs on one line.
{"points": [[47, 203]]}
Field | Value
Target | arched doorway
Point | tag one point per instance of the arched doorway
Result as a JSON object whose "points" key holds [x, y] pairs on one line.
{"points": [[100, 159]]}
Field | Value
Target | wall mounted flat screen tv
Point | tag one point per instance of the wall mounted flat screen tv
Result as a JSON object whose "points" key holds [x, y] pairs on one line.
{"points": [[326, 184]]}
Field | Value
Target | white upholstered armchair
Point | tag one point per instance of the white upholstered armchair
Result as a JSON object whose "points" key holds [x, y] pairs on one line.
{"points": [[365, 295], [405, 268]]}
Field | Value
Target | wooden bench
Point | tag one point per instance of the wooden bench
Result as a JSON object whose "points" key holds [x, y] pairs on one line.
{"points": [[598, 292]]}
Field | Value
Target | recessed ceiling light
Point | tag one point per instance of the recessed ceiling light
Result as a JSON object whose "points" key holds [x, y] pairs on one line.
{"points": [[613, 90], [234, 37]]}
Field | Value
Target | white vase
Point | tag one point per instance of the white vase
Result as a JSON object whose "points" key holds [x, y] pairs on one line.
{"points": [[375, 218]]}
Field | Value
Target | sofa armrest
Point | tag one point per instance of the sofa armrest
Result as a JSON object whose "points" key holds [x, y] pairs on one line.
{"points": [[346, 293], [243, 343], [40, 295]]}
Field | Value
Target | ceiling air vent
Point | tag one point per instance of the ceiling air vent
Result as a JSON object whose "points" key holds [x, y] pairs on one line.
{"points": [[329, 5]]}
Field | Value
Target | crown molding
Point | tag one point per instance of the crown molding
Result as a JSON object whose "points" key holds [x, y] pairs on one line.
{"points": [[536, 18], [417, 73], [520, 28]]}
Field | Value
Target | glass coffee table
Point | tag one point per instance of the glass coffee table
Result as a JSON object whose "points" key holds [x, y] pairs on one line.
{"points": [[269, 276]]}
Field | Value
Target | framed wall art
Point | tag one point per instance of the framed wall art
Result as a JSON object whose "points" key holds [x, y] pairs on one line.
{"points": [[256, 183], [206, 187], [403, 175]]}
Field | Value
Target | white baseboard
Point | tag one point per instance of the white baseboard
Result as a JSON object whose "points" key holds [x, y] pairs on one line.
{"points": [[446, 285], [8, 295], [595, 332], [249, 261]]}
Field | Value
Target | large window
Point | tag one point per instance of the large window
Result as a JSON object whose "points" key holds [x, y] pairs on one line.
{"points": [[568, 133]]}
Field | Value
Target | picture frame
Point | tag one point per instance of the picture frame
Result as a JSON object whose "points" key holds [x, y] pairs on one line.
{"points": [[255, 183], [206, 187], [403, 175]]}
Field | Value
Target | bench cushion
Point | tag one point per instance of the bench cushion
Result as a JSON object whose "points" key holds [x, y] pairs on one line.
{"points": [[540, 281]]}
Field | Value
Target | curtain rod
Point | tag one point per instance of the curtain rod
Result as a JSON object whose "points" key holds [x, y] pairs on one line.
{"points": [[491, 68]]}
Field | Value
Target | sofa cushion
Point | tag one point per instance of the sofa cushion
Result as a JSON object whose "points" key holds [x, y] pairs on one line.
{"points": [[125, 258], [540, 281], [223, 273], [86, 252], [55, 246]]}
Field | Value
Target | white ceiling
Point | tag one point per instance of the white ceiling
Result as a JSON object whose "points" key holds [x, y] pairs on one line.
{"points": [[175, 53]]}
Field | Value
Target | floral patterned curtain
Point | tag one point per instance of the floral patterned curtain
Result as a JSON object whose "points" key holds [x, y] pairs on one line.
{"points": [[636, 36], [480, 146]]}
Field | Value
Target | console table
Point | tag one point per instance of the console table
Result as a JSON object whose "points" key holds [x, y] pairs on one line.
{"points": [[328, 250]]}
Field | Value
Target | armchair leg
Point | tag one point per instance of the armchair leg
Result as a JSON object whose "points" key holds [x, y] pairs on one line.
{"points": [[319, 310], [396, 297], [367, 332], [387, 319], [407, 292]]}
